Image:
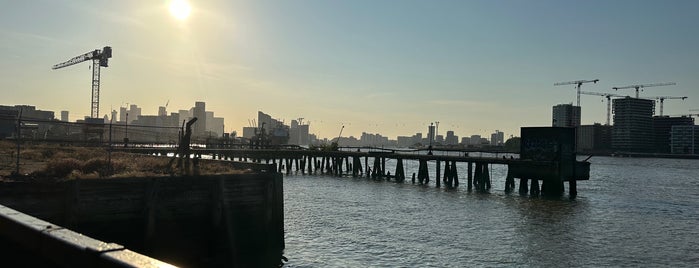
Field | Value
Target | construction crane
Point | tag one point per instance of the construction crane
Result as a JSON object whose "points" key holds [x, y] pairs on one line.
{"points": [[609, 100], [663, 98], [99, 59], [577, 85], [637, 87]]}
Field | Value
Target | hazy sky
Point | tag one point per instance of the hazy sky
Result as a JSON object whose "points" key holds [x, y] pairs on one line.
{"points": [[388, 67]]}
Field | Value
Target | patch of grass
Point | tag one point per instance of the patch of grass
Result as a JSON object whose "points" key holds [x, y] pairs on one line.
{"points": [[73, 162]]}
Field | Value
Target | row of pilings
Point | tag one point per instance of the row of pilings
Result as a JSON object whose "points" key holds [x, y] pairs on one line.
{"points": [[478, 174]]}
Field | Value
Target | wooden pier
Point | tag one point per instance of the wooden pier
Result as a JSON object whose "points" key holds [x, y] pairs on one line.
{"points": [[547, 155]]}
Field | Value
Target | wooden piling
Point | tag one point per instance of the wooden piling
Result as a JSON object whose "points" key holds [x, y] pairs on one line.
{"points": [[437, 174], [523, 187], [455, 174], [486, 174], [469, 176], [534, 191], [400, 172], [572, 188]]}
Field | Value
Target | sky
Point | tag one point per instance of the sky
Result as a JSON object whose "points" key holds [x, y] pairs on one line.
{"points": [[377, 66]]}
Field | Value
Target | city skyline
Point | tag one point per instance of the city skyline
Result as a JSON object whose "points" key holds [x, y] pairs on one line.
{"points": [[372, 66]]}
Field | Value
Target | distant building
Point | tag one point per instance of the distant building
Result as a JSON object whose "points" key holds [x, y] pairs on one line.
{"points": [[451, 139], [134, 112], [684, 139], [633, 125], [64, 116], [122, 114], [199, 111], [431, 134], [497, 138], [465, 140], [566, 115], [162, 111], [298, 133], [249, 132], [662, 126], [595, 137]]}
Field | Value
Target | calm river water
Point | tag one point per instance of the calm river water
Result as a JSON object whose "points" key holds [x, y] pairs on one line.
{"points": [[632, 212]]}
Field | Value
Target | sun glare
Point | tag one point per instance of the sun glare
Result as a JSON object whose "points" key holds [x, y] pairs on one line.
{"points": [[180, 9]]}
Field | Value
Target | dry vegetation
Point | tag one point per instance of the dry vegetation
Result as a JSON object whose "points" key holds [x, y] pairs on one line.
{"points": [[72, 162]]}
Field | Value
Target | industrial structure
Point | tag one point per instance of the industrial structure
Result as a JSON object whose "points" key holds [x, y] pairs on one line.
{"points": [[99, 59], [608, 96], [577, 85], [662, 99], [641, 87]]}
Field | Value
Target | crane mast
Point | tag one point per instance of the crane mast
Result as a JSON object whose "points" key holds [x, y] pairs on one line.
{"points": [[609, 100], [577, 85], [99, 59], [637, 87]]}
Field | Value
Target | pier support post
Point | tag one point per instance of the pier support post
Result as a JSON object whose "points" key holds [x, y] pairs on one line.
{"points": [[400, 172], [486, 176], [447, 174], [437, 174], [422, 173], [509, 181], [383, 167], [534, 191], [469, 176], [455, 174], [572, 188], [523, 187]]}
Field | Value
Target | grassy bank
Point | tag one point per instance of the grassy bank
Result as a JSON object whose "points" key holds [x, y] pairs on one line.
{"points": [[71, 162]]}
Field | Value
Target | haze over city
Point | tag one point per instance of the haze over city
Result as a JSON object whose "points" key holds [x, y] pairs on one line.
{"points": [[388, 67]]}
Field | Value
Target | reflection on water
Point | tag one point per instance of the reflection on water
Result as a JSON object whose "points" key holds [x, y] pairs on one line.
{"points": [[633, 212]]}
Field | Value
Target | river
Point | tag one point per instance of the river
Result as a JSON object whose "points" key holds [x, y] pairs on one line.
{"points": [[632, 212]]}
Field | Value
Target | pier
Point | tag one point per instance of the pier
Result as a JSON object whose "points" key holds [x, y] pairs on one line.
{"points": [[547, 160]]}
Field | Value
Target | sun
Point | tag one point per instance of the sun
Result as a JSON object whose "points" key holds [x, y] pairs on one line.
{"points": [[180, 9]]}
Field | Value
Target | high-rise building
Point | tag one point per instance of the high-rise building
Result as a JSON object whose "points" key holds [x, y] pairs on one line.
{"points": [[684, 139], [633, 125], [662, 126], [64, 116], [451, 139], [497, 138], [122, 114], [566, 115], [162, 111], [134, 113], [114, 115], [199, 111], [430, 135]]}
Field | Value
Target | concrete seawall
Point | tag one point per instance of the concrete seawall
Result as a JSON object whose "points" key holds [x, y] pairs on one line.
{"points": [[203, 221]]}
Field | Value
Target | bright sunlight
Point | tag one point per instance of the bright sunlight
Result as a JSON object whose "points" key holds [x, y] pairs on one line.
{"points": [[180, 9]]}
